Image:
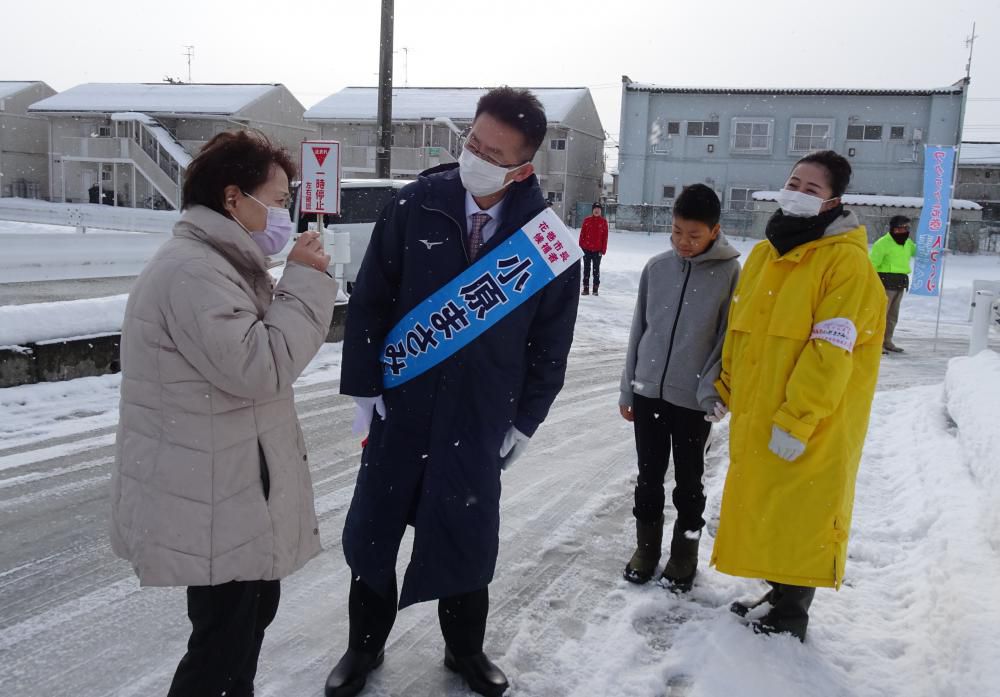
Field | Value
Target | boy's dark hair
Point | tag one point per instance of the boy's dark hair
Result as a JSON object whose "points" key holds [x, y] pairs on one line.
{"points": [[698, 202], [240, 158], [897, 221], [836, 166], [520, 110]]}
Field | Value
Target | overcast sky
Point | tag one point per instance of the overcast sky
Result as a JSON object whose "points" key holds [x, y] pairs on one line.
{"points": [[316, 47]]}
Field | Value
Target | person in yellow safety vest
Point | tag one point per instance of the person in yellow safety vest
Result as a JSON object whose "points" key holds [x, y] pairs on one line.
{"points": [[891, 256], [799, 367]]}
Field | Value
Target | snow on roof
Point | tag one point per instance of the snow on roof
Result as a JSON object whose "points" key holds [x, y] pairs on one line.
{"points": [[417, 103], [153, 98], [8, 89], [979, 154], [811, 91], [957, 204]]}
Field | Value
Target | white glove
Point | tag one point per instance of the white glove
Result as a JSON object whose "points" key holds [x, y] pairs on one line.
{"points": [[514, 445], [785, 446], [363, 407], [718, 413]]}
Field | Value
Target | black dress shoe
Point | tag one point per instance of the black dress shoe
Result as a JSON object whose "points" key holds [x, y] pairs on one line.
{"points": [[348, 677], [483, 676]]}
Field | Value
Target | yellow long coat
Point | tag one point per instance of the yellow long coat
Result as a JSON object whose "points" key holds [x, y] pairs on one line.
{"points": [[802, 352]]}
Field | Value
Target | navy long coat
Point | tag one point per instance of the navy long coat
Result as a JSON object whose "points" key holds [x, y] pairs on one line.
{"points": [[434, 462]]}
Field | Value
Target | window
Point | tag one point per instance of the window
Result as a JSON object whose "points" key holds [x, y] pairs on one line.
{"points": [[670, 192], [859, 132], [673, 128], [751, 135], [557, 144], [104, 131], [897, 132], [105, 175], [554, 197], [741, 198], [707, 129], [811, 135]]}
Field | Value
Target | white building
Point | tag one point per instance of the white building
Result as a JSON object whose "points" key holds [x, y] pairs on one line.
{"points": [[427, 123], [24, 141], [129, 144]]}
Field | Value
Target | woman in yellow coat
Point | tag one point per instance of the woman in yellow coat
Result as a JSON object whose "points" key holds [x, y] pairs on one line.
{"points": [[799, 367]]}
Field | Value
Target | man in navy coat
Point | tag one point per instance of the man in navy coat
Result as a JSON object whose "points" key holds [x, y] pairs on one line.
{"points": [[437, 443]]}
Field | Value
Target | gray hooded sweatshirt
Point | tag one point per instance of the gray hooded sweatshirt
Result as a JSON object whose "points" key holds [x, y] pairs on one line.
{"points": [[675, 344]]}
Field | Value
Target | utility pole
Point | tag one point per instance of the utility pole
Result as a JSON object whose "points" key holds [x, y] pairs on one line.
{"points": [[383, 149], [189, 52]]}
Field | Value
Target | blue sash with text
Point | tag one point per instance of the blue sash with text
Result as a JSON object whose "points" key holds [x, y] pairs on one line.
{"points": [[479, 297]]}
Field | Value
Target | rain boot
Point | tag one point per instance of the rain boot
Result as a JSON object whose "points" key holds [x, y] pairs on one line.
{"points": [[586, 289], [789, 613], [678, 574], [596, 286], [642, 565]]}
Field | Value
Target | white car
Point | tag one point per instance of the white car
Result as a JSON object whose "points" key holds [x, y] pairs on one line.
{"points": [[361, 203]]}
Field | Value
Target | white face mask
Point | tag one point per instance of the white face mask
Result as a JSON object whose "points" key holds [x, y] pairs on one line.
{"points": [[800, 205], [482, 178]]}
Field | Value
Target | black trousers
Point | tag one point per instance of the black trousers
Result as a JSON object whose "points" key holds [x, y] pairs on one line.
{"points": [[228, 623], [462, 618], [591, 258], [660, 426]]}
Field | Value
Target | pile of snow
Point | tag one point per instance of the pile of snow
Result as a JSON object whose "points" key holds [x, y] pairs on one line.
{"points": [[972, 395], [69, 319]]}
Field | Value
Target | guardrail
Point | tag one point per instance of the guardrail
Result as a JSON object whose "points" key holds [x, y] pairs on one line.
{"points": [[87, 215]]}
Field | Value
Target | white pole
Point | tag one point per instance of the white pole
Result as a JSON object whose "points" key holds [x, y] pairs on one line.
{"points": [[980, 322]]}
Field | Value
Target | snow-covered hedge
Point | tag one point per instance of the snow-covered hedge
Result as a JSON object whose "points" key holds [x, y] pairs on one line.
{"points": [[35, 322]]}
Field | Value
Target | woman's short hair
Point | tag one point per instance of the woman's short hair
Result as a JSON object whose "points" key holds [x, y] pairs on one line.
{"points": [[836, 166], [238, 158]]}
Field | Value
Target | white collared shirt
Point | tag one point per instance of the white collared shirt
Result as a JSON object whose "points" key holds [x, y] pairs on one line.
{"points": [[471, 208]]}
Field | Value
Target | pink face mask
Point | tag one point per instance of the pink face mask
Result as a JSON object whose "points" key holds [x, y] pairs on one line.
{"points": [[273, 238]]}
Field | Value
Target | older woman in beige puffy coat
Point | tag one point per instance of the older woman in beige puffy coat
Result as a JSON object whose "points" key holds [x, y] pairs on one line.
{"points": [[211, 486]]}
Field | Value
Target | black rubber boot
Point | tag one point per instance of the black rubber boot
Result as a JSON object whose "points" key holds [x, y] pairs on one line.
{"points": [[596, 287], [649, 542], [789, 613], [678, 574], [482, 674], [348, 677]]}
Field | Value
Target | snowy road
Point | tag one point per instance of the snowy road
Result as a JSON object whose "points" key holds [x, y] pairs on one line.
{"points": [[73, 620]]}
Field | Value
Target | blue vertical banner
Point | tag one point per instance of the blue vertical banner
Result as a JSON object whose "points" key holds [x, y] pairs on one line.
{"points": [[939, 166]]}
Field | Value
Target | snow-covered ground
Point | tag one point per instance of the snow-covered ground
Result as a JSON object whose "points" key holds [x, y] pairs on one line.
{"points": [[918, 614]]}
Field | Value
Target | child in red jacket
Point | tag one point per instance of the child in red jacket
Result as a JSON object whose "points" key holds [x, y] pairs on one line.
{"points": [[594, 243]]}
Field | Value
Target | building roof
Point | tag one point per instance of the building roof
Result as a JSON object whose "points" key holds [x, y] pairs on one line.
{"points": [[419, 103], [9, 89], [957, 204], [156, 98], [980, 154], [798, 91]]}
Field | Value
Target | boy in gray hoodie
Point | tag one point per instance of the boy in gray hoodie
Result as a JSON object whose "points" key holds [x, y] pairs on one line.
{"points": [[667, 392]]}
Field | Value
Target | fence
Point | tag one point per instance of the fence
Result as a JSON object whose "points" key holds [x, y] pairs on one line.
{"points": [[968, 235]]}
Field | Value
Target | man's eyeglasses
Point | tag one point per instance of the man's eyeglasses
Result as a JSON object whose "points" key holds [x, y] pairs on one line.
{"points": [[473, 145]]}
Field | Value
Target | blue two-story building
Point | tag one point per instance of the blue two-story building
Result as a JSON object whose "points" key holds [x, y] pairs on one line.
{"points": [[743, 140]]}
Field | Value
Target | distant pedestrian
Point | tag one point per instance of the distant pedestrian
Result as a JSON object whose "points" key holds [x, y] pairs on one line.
{"points": [[891, 255], [594, 243]]}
